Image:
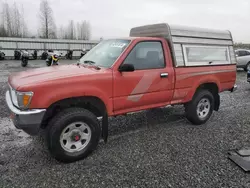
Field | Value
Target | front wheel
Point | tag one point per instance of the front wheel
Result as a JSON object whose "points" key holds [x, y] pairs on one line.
{"points": [[24, 63], [200, 109], [55, 63], [73, 134]]}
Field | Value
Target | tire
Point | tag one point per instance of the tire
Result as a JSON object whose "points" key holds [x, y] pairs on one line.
{"points": [[48, 63], [60, 123], [192, 107], [24, 63], [246, 68]]}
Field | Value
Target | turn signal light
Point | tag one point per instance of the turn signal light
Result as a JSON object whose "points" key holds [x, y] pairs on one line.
{"points": [[26, 100]]}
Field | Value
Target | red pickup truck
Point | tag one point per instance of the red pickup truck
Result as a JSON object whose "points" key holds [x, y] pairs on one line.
{"points": [[157, 66]]}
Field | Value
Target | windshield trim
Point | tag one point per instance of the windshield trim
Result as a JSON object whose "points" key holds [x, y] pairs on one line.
{"points": [[130, 41]]}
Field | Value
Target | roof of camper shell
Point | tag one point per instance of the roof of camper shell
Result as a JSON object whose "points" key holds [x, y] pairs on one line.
{"points": [[167, 31], [184, 35]]}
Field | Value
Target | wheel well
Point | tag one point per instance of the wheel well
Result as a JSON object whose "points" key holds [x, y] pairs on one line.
{"points": [[213, 88], [93, 104]]}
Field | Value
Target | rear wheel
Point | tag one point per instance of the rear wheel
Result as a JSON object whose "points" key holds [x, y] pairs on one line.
{"points": [[24, 63], [247, 68], [200, 109], [48, 63], [73, 134]]}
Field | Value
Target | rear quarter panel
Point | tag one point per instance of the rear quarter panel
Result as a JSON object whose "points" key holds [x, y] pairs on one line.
{"points": [[188, 79]]}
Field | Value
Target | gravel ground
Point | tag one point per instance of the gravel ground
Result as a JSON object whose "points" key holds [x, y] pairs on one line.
{"points": [[156, 148]]}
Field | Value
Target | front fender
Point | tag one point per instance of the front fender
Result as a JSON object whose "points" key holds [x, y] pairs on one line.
{"points": [[48, 96]]}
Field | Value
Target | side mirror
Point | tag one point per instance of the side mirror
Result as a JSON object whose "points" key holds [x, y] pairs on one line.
{"points": [[236, 55], [126, 68]]}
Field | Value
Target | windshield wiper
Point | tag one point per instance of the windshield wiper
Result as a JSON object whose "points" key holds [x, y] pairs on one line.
{"points": [[92, 63], [89, 62]]}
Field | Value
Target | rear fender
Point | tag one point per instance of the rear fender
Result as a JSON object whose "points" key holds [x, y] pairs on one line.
{"points": [[200, 82]]}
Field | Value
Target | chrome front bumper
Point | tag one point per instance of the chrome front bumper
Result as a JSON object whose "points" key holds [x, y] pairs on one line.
{"points": [[29, 120]]}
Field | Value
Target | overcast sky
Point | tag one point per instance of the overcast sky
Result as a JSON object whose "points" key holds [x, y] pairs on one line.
{"points": [[114, 18]]}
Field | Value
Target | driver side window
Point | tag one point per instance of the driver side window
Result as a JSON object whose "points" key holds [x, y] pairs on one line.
{"points": [[146, 55]]}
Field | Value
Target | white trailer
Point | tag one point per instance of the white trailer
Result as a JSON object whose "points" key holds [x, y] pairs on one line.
{"points": [[8, 45], [192, 46]]}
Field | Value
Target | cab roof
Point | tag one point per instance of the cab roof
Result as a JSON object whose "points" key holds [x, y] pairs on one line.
{"points": [[133, 38]]}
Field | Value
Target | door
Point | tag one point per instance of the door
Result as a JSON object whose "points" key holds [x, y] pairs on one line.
{"points": [[150, 85]]}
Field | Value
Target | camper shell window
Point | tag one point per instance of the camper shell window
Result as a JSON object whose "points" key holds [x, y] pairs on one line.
{"points": [[206, 55]]}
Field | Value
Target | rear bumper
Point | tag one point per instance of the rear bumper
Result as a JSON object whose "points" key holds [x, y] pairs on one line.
{"points": [[29, 120], [234, 88]]}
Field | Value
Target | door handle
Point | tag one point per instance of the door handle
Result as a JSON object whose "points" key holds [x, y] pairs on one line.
{"points": [[164, 75]]}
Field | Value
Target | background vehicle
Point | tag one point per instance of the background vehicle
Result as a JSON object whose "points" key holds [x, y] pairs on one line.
{"points": [[34, 54], [2, 55], [181, 65], [69, 54], [17, 54], [84, 52], [24, 58], [52, 59], [243, 59], [44, 55]]}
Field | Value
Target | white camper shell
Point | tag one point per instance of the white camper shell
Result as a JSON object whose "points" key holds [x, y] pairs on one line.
{"points": [[192, 46]]}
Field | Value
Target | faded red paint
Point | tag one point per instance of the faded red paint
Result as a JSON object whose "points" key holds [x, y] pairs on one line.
{"points": [[189, 78], [159, 93], [122, 92]]}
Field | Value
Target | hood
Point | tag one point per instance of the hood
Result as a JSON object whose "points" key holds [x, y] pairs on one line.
{"points": [[40, 75]]}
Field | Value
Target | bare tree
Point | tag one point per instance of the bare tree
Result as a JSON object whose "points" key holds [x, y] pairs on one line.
{"points": [[71, 28], [24, 28], [3, 32], [83, 30], [61, 33], [87, 30], [16, 21], [13, 24], [69, 32], [7, 19], [48, 27], [78, 30]]}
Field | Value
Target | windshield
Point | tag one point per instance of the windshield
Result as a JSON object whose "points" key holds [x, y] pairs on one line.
{"points": [[105, 53]]}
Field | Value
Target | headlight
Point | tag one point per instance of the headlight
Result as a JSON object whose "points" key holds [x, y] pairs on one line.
{"points": [[21, 99]]}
